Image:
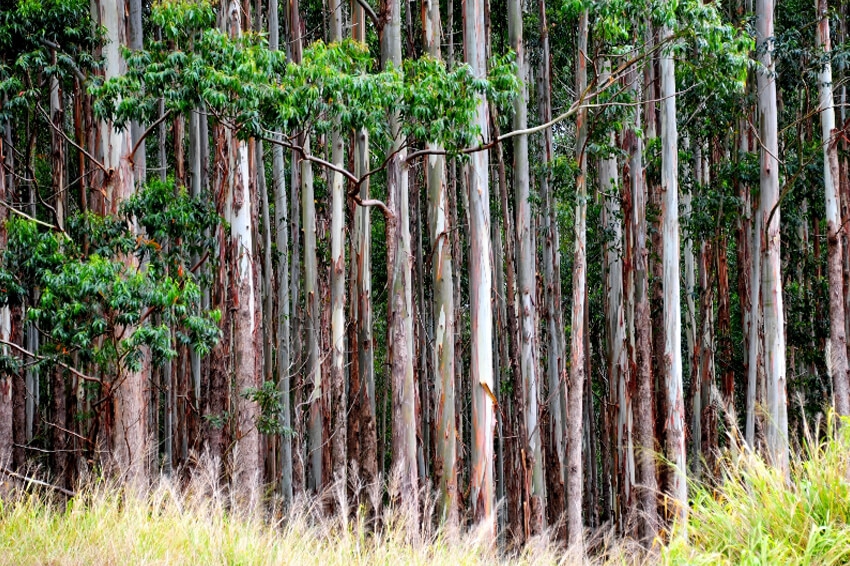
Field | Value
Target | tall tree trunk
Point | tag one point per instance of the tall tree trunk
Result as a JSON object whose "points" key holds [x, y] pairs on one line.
{"points": [[618, 369], [444, 308], [298, 358], [283, 350], [400, 300], [675, 418], [644, 426], [129, 434], [238, 213], [59, 457], [771, 283], [480, 288], [362, 307], [578, 353], [554, 315], [136, 42], [6, 406], [526, 273], [339, 404], [837, 350]]}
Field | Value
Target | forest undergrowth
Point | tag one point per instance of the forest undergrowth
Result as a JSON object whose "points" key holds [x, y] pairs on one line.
{"points": [[753, 515]]}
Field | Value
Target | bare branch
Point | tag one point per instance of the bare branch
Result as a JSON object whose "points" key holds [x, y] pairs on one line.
{"points": [[147, 132], [91, 158], [35, 356]]}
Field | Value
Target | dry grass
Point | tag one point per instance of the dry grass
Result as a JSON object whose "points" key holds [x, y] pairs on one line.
{"points": [[103, 525]]}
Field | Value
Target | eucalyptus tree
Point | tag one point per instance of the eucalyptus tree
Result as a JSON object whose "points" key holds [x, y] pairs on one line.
{"points": [[578, 353], [554, 315], [482, 494], [445, 463], [674, 419], [526, 273], [362, 380], [837, 350], [771, 278], [129, 433], [339, 404], [400, 305], [284, 325]]}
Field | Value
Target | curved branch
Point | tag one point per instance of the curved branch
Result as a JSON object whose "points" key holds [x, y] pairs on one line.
{"points": [[145, 134], [91, 158]]}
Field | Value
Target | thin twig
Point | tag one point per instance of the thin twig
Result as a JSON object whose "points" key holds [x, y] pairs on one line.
{"points": [[26, 352], [91, 158]]}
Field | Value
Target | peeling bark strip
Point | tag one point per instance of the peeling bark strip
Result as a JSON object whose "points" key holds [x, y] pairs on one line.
{"points": [[771, 283], [837, 364], [674, 421]]}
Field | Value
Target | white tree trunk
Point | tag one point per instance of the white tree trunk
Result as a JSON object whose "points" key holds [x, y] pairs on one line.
{"points": [[774, 327], [675, 419], [480, 289]]}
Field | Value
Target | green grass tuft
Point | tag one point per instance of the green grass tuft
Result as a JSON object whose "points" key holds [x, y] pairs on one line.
{"points": [[758, 516]]}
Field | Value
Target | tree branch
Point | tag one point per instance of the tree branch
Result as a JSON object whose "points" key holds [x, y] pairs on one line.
{"points": [[91, 158], [35, 356], [147, 132]]}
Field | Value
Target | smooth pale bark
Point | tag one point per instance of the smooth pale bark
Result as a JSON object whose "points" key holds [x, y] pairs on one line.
{"points": [[480, 289], [578, 353], [136, 42], [246, 324], [443, 302], [129, 434], [197, 176], [313, 371], [674, 420], [837, 362], [526, 273], [776, 425], [339, 403], [754, 360], [400, 293], [646, 484]]}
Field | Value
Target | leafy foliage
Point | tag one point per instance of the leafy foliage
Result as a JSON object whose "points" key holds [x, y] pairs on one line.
{"points": [[94, 306], [256, 90]]}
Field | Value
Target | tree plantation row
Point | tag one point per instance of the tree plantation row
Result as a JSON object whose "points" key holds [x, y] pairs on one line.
{"points": [[548, 261]]}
